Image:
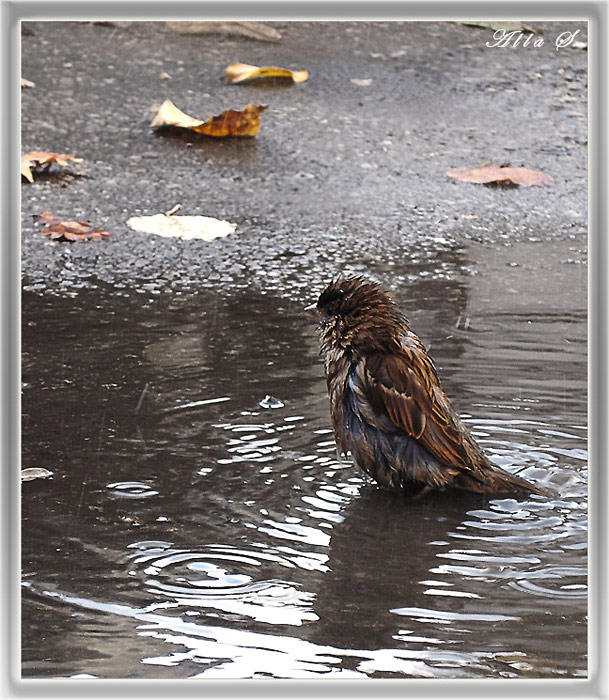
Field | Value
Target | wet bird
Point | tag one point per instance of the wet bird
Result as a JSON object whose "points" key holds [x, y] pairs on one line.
{"points": [[388, 407]]}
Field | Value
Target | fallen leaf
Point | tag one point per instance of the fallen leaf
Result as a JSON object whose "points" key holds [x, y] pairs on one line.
{"points": [[170, 115], [493, 173], [35, 473], [506, 26], [239, 72], [58, 229], [111, 24], [230, 123], [173, 210], [43, 160], [253, 30], [362, 82], [204, 228], [25, 83]]}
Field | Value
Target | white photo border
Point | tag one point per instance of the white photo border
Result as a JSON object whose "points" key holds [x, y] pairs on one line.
{"points": [[596, 14]]}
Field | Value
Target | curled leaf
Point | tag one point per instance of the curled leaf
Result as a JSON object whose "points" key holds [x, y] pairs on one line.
{"points": [[42, 160], [505, 26], [239, 72], [58, 229], [230, 123], [205, 228], [492, 173], [35, 473], [254, 30]]}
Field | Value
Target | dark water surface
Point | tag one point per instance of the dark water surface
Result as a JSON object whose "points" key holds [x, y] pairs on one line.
{"points": [[193, 528]]}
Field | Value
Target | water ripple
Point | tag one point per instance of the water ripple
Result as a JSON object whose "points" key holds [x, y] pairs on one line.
{"points": [[132, 489], [223, 579]]}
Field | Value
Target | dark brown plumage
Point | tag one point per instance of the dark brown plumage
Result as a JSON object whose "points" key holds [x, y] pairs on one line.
{"points": [[388, 408]]}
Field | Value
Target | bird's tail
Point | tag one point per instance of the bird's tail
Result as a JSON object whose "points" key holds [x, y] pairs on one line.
{"points": [[494, 480]]}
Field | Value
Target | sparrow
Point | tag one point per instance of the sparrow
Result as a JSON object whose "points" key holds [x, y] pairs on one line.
{"points": [[388, 407]]}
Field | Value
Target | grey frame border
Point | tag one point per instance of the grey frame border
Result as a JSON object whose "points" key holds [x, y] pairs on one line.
{"points": [[596, 13]]}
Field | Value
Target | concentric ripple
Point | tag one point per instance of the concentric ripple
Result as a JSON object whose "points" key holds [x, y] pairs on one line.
{"points": [[132, 489], [224, 580]]}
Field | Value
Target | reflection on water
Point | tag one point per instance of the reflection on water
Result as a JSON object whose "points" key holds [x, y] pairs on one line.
{"points": [[200, 522]]}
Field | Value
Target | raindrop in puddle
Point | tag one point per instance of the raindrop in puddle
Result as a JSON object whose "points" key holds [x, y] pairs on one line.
{"points": [[132, 489], [271, 402]]}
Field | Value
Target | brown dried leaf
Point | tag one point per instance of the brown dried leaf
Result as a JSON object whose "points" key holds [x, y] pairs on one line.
{"points": [[42, 159], [58, 229], [230, 123], [493, 173], [239, 72]]}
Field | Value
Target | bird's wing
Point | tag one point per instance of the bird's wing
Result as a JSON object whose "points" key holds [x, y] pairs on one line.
{"points": [[405, 388]]}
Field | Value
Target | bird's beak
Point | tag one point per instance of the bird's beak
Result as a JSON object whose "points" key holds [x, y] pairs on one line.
{"points": [[312, 312]]}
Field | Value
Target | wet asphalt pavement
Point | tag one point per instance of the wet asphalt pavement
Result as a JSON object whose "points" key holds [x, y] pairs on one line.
{"points": [[342, 177]]}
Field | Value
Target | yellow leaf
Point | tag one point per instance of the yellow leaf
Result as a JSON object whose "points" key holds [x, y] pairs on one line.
{"points": [[245, 122], [239, 72]]}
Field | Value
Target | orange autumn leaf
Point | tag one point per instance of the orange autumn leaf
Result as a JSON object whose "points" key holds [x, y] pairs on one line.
{"points": [[41, 159], [492, 173], [239, 72], [58, 229], [230, 123]]}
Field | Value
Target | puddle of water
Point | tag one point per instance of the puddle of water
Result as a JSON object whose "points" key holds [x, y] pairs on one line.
{"points": [[200, 524]]}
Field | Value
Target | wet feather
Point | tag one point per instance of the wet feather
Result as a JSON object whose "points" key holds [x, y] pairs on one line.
{"points": [[387, 405]]}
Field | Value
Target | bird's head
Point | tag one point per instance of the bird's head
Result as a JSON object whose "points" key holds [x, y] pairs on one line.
{"points": [[354, 314]]}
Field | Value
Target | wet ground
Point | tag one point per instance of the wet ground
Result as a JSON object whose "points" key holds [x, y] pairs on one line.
{"points": [[193, 525]]}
